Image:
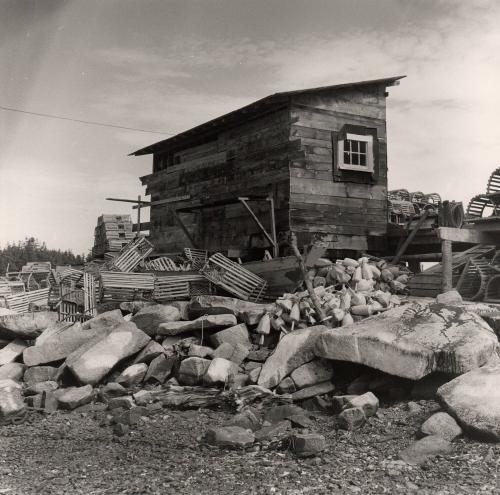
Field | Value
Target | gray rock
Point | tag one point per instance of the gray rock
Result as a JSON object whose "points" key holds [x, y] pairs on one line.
{"points": [[149, 318], [413, 341], [132, 416], [340, 401], [26, 326], [134, 306], [12, 351], [259, 355], [209, 322], [12, 371], [192, 370], [275, 432], [426, 448], [11, 398], [97, 361], [111, 390], [286, 411], [245, 419], [450, 298], [368, 402], [125, 402], [75, 397], [308, 444], [238, 380], [286, 386], [153, 349], [67, 339], [313, 390], [443, 425], [292, 351], [352, 418], [143, 397], [160, 368], [38, 374], [219, 371], [225, 351], [253, 375], [474, 400], [201, 351], [311, 373], [229, 436], [133, 375], [233, 335]]}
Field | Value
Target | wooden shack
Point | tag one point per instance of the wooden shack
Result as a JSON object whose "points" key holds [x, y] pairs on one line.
{"points": [[312, 161]]}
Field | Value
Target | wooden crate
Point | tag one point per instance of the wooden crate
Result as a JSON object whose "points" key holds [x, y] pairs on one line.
{"points": [[196, 257], [180, 286], [21, 302], [132, 255], [234, 278], [162, 264], [118, 286]]}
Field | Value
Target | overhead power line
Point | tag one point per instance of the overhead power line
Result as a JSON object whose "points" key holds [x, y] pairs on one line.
{"points": [[87, 122]]}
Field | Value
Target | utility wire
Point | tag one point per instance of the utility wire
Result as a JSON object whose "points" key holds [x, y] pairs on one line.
{"points": [[88, 122]]}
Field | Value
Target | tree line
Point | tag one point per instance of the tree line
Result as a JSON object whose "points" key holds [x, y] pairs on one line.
{"points": [[17, 254]]}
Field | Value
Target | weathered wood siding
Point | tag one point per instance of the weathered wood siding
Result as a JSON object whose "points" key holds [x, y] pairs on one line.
{"points": [[251, 158], [347, 212]]}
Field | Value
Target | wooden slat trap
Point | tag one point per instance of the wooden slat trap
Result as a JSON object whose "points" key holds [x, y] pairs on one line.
{"points": [[132, 255], [234, 278], [196, 257], [21, 302], [117, 286], [162, 264], [181, 286], [77, 296]]}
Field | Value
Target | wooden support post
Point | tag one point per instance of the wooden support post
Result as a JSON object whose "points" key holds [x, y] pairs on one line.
{"points": [[258, 222], [138, 215], [273, 227], [180, 223], [447, 254], [410, 238]]}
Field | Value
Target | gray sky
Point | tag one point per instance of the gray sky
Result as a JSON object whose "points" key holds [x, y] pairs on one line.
{"points": [[169, 65]]}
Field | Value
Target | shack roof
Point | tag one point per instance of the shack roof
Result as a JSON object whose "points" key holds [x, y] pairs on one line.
{"points": [[252, 110]]}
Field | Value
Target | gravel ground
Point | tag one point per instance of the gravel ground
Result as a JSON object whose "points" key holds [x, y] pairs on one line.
{"points": [[71, 453]]}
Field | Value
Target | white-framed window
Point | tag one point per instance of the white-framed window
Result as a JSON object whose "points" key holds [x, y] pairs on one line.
{"points": [[355, 152]]}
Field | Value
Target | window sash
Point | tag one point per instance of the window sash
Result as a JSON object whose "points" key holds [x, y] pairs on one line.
{"points": [[355, 152]]}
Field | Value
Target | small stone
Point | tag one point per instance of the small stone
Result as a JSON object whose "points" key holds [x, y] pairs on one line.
{"points": [[201, 351], [414, 408], [143, 397], [286, 386], [75, 397], [112, 389], [133, 375], [443, 425], [352, 419], [11, 400], [245, 419], [317, 404], [308, 444], [38, 388], [424, 449], [49, 402], [34, 401], [339, 402], [229, 436], [301, 421], [311, 373], [253, 376], [149, 318], [37, 374], [259, 355], [161, 368], [125, 402], [132, 416], [274, 432], [368, 402], [219, 371], [251, 365], [121, 429], [12, 351], [152, 350], [278, 413]]}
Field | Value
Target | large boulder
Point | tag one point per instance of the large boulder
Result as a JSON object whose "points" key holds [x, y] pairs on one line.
{"points": [[192, 370], [149, 318], [75, 397], [203, 322], [292, 351], [67, 339], [245, 311], [26, 325], [38, 374], [12, 371], [233, 335], [308, 374], [413, 341], [474, 400], [99, 357], [12, 351]]}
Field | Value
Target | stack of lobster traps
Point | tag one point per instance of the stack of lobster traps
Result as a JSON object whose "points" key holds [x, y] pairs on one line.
{"points": [[112, 234]]}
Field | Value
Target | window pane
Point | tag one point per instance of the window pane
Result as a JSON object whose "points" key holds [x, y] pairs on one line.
{"points": [[355, 146], [346, 157], [347, 145], [362, 146], [362, 160], [355, 158]]}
